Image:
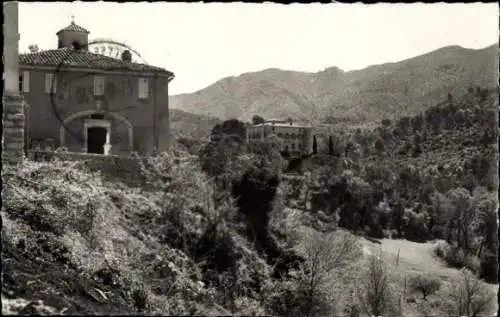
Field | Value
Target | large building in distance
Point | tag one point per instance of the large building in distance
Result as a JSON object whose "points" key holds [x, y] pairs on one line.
{"points": [[86, 101], [297, 139]]}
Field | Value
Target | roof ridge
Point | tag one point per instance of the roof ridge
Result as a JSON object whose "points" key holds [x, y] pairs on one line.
{"points": [[73, 27], [84, 59]]}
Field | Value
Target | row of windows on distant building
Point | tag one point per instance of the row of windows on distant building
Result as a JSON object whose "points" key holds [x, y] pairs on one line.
{"points": [[291, 136], [99, 84], [291, 140]]}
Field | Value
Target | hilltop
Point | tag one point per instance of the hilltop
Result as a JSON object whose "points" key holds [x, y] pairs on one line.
{"points": [[389, 90]]}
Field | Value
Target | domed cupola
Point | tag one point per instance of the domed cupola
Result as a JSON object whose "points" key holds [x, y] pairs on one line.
{"points": [[73, 36]]}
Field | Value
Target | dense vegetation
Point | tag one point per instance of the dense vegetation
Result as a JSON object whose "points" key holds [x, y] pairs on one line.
{"points": [[225, 232], [432, 176]]}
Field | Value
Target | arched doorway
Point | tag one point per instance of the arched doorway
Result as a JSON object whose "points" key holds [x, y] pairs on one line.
{"points": [[97, 131]]}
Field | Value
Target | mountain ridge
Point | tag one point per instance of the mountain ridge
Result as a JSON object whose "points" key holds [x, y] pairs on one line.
{"points": [[391, 90]]}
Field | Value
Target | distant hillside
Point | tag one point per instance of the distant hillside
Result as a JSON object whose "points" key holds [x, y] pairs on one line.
{"points": [[454, 139], [382, 91], [189, 125]]}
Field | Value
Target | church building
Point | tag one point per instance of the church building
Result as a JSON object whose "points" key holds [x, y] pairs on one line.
{"points": [[85, 101]]}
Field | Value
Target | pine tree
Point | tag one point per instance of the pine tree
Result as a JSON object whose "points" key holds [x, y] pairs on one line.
{"points": [[330, 145]]}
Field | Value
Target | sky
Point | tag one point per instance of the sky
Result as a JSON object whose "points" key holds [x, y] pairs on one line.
{"points": [[202, 43]]}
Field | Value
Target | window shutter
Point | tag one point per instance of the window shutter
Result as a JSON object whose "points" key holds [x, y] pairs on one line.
{"points": [[26, 81], [50, 83], [143, 88], [98, 85]]}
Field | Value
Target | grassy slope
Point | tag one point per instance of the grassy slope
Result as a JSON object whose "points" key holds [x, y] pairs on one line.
{"points": [[414, 258]]}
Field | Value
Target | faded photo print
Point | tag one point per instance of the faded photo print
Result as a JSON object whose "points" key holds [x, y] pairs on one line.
{"points": [[250, 159]]}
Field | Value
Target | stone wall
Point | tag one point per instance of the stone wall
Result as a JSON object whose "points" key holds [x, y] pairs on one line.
{"points": [[126, 169], [13, 121]]}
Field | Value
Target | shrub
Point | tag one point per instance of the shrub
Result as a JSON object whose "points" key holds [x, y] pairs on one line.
{"points": [[125, 246], [415, 228], [425, 284], [468, 296], [457, 257], [140, 298], [442, 249]]}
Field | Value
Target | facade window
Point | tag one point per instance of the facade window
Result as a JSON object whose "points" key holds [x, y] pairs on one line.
{"points": [[20, 82], [24, 81], [98, 85], [143, 88], [293, 146], [50, 83]]}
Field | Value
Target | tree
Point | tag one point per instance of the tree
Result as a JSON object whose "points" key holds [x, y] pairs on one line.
{"points": [[268, 152], [485, 232], [462, 216], [349, 147], [417, 122], [417, 149], [379, 145], [404, 125], [378, 298], [232, 127], [470, 297], [315, 145], [330, 145], [397, 218], [257, 119], [218, 152], [325, 255]]}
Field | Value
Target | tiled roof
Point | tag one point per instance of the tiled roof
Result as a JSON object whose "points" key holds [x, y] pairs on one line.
{"points": [[67, 57], [73, 28]]}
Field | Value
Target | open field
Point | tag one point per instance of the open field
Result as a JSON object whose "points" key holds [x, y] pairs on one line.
{"points": [[414, 257]]}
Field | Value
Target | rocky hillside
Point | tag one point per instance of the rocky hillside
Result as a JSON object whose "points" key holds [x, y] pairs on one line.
{"points": [[382, 91]]}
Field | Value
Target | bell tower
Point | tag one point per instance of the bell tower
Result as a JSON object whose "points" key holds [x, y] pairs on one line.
{"points": [[73, 36]]}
